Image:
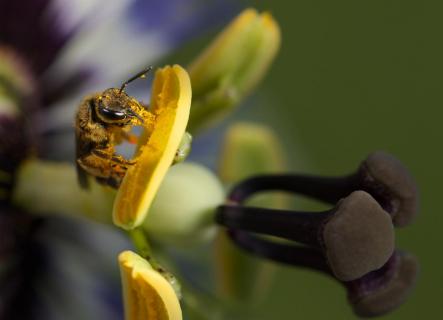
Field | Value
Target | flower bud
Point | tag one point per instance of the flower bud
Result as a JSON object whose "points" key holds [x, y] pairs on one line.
{"points": [[183, 208], [248, 149], [232, 65]]}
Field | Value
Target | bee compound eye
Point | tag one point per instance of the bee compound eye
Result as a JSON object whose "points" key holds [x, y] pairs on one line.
{"points": [[112, 115]]}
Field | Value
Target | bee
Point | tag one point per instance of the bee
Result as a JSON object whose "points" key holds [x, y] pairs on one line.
{"points": [[104, 120]]}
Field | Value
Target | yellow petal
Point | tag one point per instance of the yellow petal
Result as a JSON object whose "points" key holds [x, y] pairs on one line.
{"points": [[147, 295], [170, 104]]}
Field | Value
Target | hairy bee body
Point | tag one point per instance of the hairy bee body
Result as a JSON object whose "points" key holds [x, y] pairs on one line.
{"points": [[91, 135], [103, 121]]}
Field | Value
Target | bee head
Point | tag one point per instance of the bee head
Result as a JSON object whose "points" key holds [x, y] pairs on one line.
{"points": [[114, 106]]}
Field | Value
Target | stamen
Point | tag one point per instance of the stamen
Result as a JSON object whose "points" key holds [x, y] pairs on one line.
{"points": [[381, 175], [286, 253], [374, 294], [356, 236]]}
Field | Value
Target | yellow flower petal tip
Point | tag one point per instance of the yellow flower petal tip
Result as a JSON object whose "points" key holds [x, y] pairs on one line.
{"points": [[170, 105], [146, 294]]}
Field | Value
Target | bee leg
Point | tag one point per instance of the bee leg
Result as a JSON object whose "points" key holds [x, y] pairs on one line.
{"points": [[118, 169], [113, 182], [103, 169], [94, 166], [113, 157], [131, 138]]}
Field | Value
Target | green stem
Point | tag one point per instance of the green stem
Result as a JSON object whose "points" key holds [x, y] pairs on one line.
{"points": [[140, 241]]}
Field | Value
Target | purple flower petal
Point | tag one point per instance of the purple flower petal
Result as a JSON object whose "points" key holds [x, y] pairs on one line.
{"points": [[54, 90], [14, 232], [14, 146], [179, 20], [29, 28], [58, 268]]}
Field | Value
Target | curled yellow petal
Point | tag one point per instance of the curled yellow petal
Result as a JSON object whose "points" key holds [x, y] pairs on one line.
{"points": [[170, 104], [146, 293]]}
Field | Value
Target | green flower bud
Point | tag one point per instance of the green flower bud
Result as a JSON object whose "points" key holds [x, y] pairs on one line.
{"points": [[251, 149], [248, 149], [183, 208], [231, 66]]}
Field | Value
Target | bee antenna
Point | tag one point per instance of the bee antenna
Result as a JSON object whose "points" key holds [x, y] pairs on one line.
{"points": [[141, 74]]}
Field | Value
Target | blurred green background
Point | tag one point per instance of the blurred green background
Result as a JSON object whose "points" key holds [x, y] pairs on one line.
{"points": [[353, 77]]}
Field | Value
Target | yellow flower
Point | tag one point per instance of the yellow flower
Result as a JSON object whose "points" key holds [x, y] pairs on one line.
{"points": [[146, 293], [170, 105]]}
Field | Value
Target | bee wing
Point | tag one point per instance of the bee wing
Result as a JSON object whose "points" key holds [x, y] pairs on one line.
{"points": [[82, 175], [82, 148]]}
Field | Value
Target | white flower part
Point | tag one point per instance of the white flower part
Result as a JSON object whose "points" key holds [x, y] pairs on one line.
{"points": [[71, 13], [107, 42]]}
